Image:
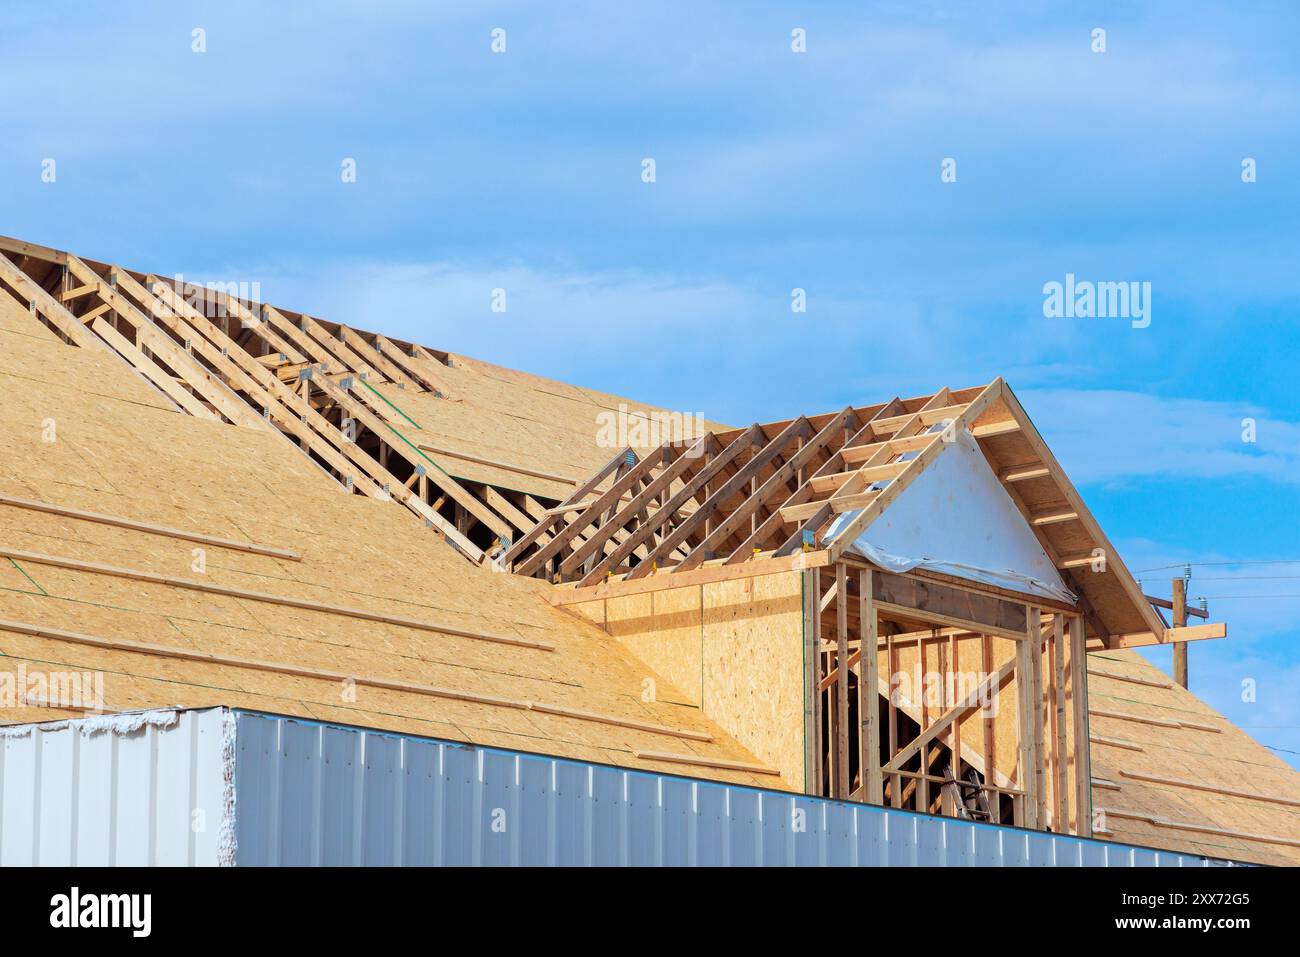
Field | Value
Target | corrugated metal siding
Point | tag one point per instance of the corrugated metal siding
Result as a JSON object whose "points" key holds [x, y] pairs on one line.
{"points": [[309, 793], [68, 797]]}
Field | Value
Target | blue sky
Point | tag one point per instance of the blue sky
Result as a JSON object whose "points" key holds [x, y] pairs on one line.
{"points": [[774, 170]]}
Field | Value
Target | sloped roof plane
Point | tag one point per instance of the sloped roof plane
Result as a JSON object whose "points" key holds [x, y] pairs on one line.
{"points": [[375, 622]]}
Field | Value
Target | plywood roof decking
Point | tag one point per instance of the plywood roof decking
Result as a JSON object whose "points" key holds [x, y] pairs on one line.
{"points": [[499, 415], [119, 450], [1226, 759]]}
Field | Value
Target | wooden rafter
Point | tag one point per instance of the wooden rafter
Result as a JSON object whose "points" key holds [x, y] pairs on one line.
{"points": [[372, 356], [45, 305], [733, 486], [821, 443], [546, 524], [708, 465], [931, 414], [774, 483], [673, 471], [814, 512], [630, 476]]}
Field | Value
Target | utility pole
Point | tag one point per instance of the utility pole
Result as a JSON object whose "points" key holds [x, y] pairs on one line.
{"points": [[1180, 621]]}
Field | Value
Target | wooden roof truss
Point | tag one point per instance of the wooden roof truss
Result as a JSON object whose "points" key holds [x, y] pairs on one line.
{"points": [[766, 490], [771, 491], [221, 358]]}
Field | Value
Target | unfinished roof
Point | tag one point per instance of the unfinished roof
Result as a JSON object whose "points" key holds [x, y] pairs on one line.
{"points": [[355, 403], [255, 510], [314, 602]]}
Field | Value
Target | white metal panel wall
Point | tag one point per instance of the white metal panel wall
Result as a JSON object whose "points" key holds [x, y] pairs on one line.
{"points": [[309, 793], [113, 790]]}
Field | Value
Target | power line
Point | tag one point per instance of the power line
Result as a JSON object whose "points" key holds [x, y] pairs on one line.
{"points": [[1234, 577], [1246, 578], [1235, 597], [1270, 561]]}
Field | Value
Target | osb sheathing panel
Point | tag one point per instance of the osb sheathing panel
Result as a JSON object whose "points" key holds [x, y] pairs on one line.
{"points": [[508, 416], [13, 579], [15, 319], [665, 630], [736, 648], [1228, 759], [124, 450], [28, 359], [753, 666], [118, 451]]}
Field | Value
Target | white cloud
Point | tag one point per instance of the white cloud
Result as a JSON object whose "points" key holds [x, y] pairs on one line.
{"points": [[733, 351], [730, 350], [1106, 434]]}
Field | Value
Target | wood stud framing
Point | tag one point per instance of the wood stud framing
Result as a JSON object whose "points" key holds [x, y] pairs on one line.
{"points": [[940, 752]]}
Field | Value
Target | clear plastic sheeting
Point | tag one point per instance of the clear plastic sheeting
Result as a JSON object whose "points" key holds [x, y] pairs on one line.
{"points": [[956, 518]]}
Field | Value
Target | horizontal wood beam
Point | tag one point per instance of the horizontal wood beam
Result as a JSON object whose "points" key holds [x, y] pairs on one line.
{"points": [[857, 454], [77, 293], [1211, 788], [119, 522], [665, 579], [1022, 473], [1053, 516], [701, 761], [992, 429], [926, 417], [932, 602], [1166, 603], [1143, 639], [868, 473], [1198, 828]]}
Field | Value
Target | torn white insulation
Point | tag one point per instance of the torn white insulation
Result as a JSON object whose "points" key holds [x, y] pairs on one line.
{"points": [[121, 722], [956, 518], [227, 841]]}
